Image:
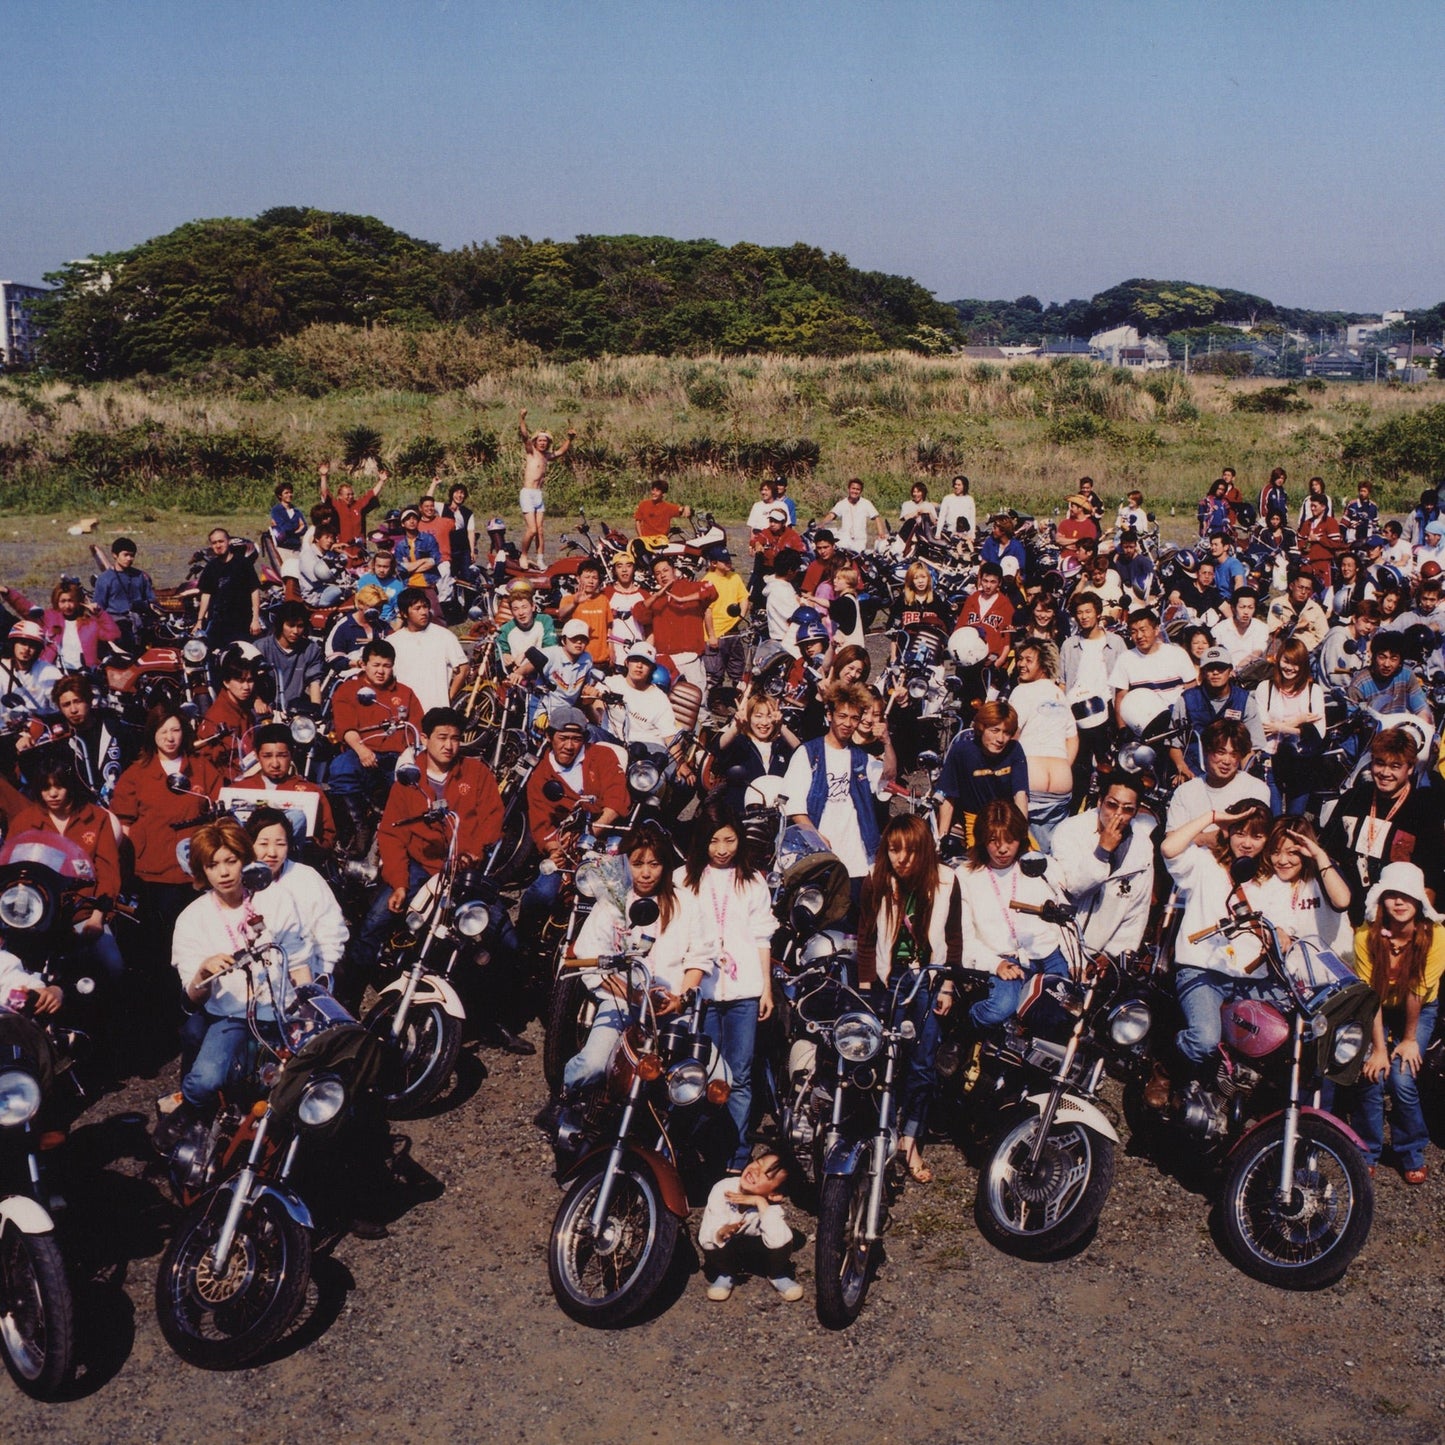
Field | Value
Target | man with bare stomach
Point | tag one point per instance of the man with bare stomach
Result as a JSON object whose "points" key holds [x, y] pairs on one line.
{"points": [[536, 453]]}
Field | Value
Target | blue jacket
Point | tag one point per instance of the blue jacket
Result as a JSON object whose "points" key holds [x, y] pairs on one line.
{"points": [[859, 790]]}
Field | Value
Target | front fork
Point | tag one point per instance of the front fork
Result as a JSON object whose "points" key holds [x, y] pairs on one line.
{"points": [[1061, 1084], [614, 1159], [240, 1196], [885, 1144], [1291, 1115]]}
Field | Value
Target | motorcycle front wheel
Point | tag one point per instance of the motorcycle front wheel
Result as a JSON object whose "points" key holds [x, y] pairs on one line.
{"points": [[605, 1279], [417, 1066], [844, 1257], [570, 1011], [1307, 1240], [37, 1316], [1039, 1210], [219, 1320]]}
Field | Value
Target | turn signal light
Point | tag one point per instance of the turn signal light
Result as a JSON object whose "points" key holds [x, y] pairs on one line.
{"points": [[718, 1092], [650, 1067]]}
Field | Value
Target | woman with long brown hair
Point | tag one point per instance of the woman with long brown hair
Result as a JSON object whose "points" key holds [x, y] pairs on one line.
{"points": [[911, 917], [1400, 953], [1292, 713]]}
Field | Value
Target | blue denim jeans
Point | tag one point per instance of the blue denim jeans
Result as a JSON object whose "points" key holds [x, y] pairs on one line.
{"points": [[221, 1046], [1046, 812], [733, 1027], [380, 920], [347, 777], [1202, 993], [537, 903], [589, 1063], [920, 1077], [1408, 1131], [1004, 995]]}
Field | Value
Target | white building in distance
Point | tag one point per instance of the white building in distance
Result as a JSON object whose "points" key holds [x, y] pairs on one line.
{"points": [[18, 332]]}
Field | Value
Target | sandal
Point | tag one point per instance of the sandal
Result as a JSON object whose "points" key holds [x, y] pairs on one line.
{"points": [[918, 1171], [1417, 1176]]}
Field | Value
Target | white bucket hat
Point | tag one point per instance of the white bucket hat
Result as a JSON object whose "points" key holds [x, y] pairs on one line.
{"points": [[1408, 881]]}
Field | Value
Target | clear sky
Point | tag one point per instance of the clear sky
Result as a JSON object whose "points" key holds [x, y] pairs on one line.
{"points": [[1289, 149]]}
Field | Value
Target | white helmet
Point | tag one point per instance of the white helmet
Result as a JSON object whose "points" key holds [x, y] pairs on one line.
{"points": [[967, 647], [1140, 708]]}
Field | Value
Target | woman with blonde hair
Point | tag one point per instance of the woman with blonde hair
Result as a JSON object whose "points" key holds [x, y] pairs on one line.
{"points": [[757, 741], [844, 612]]}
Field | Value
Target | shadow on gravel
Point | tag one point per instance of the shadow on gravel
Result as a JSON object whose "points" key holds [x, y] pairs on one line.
{"points": [[471, 1074], [331, 1282], [685, 1264]]}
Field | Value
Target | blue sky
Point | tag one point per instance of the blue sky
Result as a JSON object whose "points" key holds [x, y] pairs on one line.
{"points": [[1290, 149]]}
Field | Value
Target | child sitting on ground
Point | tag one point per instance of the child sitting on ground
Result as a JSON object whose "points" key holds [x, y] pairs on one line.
{"points": [[747, 1205]]}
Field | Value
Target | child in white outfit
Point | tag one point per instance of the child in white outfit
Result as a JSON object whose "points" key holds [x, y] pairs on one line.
{"points": [[746, 1207]]}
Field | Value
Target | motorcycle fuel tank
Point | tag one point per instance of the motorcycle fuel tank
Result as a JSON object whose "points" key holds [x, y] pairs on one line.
{"points": [[1252, 1027]]}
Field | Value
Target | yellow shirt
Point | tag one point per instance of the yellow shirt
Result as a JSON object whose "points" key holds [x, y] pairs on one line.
{"points": [[1429, 987], [731, 591]]}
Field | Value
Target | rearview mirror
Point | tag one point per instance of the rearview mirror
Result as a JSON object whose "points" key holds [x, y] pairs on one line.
{"points": [[1033, 865], [178, 783], [255, 877], [366, 696], [553, 791], [408, 775], [643, 913]]}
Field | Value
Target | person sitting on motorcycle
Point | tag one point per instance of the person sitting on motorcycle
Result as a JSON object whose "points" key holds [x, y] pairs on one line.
{"points": [[987, 604], [101, 743], [293, 657], [655, 516], [589, 604], [1103, 863], [418, 557], [1012, 947], [224, 922], [383, 575], [225, 737], [353, 631], [918, 605], [1387, 685], [638, 711], [731, 928], [276, 773], [320, 574], [316, 905], [595, 772], [1346, 648], [25, 673], [528, 630], [808, 675], [623, 595], [1300, 887], [748, 1207], [1400, 952], [570, 675], [1227, 748], [911, 916], [125, 592], [758, 742], [66, 807], [1204, 855], [376, 733], [985, 762], [75, 630], [1298, 613]]}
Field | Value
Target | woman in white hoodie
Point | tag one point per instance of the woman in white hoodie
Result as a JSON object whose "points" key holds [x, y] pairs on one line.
{"points": [[910, 917], [732, 927]]}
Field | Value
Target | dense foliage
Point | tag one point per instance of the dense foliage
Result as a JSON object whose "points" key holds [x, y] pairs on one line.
{"points": [[221, 286]]}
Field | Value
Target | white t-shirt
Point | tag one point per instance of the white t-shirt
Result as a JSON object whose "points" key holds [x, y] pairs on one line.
{"points": [[951, 509], [1196, 797], [782, 601], [1251, 643], [1303, 911], [853, 520], [839, 823], [425, 662], [1209, 888], [758, 517], [1166, 671], [1093, 677], [911, 509], [1282, 707], [640, 715], [1046, 722], [72, 659]]}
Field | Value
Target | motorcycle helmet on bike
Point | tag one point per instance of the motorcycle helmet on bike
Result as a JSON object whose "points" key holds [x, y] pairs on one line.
{"points": [[967, 647], [810, 626], [1145, 713]]}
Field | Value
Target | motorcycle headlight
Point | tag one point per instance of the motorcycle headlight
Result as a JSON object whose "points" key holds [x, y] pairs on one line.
{"points": [[1349, 1040], [590, 880], [686, 1082], [857, 1037], [643, 776], [303, 730], [471, 919], [21, 906], [19, 1097], [321, 1101], [917, 688], [1129, 1022], [195, 652]]}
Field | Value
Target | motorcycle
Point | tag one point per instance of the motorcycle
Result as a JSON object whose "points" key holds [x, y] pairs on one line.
{"points": [[621, 1153], [37, 1313], [234, 1276], [1296, 1201]]}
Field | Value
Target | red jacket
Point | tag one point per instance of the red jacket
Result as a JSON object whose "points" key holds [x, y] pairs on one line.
{"points": [[675, 616], [470, 792], [769, 544], [224, 737], [91, 830], [602, 777], [94, 628], [347, 713], [351, 521], [325, 822], [148, 808]]}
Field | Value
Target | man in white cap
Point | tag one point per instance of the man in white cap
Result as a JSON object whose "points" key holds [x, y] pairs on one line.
{"points": [[638, 711], [854, 512], [570, 671], [24, 672]]}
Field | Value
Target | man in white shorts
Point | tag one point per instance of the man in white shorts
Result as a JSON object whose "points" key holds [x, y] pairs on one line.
{"points": [[536, 453]]}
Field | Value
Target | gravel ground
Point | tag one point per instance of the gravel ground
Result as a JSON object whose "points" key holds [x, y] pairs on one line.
{"points": [[447, 1329]]}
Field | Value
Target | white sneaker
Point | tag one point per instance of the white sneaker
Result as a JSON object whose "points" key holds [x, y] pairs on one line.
{"points": [[722, 1287], [790, 1289]]}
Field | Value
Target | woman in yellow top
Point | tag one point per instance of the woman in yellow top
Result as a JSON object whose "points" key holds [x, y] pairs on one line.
{"points": [[1400, 952]]}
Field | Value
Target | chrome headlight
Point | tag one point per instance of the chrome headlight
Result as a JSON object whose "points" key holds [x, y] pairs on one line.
{"points": [[643, 776], [195, 652], [21, 906], [303, 730], [1349, 1040], [321, 1101], [857, 1037], [686, 1082], [591, 881], [471, 919], [19, 1097], [1129, 1022], [917, 688]]}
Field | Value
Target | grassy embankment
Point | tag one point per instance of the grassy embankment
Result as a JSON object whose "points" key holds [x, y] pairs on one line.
{"points": [[1023, 432]]}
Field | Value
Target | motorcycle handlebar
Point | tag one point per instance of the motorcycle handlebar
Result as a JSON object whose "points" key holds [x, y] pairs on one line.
{"points": [[1050, 911]]}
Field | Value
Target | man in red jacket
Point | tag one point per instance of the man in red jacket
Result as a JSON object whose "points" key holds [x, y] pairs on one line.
{"points": [[675, 612], [277, 774]]}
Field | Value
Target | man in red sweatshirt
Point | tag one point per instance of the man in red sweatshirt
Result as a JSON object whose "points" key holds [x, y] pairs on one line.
{"points": [[678, 615]]}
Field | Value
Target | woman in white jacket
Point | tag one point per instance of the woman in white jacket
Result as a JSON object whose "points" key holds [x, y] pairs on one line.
{"points": [[910, 917], [732, 932]]}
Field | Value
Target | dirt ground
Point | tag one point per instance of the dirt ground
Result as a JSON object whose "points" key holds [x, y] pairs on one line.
{"points": [[447, 1329]]}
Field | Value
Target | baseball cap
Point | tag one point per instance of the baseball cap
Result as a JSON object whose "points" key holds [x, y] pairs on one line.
{"points": [[777, 514], [1374, 540], [1216, 657], [576, 628], [644, 650], [717, 554], [566, 719]]}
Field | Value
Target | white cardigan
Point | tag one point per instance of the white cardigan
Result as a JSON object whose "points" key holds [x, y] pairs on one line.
{"points": [[731, 955], [992, 931]]}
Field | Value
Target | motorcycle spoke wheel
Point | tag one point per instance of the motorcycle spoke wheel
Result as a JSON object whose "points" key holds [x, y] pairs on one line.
{"points": [[570, 1011], [605, 1278], [219, 1319], [37, 1316], [1038, 1210], [417, 1066], [1308, 1239], [844, 1256]]}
